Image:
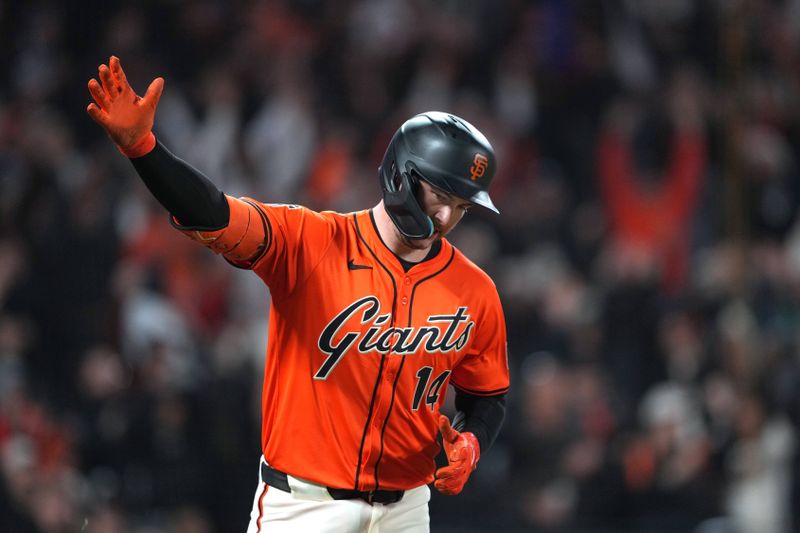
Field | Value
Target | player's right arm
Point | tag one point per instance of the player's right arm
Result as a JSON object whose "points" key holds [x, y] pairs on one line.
{"points": [[227, 225], [281, 243]]}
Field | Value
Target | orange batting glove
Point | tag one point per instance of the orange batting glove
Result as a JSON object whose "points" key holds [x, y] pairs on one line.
{"points": [[126, 117], [463, 452]]}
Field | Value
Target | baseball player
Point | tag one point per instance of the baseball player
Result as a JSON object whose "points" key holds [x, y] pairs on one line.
{"points": [[374, 314]]}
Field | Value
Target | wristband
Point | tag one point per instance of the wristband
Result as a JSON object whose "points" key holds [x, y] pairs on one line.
{"points": [[141, 148]]}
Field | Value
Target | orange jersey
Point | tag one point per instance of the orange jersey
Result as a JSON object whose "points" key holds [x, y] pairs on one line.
{"points": [[360, 353]]}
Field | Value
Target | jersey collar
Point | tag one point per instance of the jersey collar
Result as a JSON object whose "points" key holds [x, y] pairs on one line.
{"points": [[368, 230]]}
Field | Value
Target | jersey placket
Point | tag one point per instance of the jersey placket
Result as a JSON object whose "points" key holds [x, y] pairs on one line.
{"points": [[386, 392]]}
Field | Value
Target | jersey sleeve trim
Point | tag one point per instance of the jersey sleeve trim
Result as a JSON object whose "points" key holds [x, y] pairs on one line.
{"points": [[495, 392], [175, 223], [266, 225], [241, 241]]}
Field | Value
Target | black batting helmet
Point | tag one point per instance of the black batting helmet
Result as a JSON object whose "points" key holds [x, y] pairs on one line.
{"points": [[446, 151]]}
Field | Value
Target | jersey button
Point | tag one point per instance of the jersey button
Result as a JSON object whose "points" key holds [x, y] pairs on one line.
{"points": [[407, 281], [404, 300]]}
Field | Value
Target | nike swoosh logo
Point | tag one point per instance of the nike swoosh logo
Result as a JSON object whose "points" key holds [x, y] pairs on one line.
{"points": [[352, 266]]}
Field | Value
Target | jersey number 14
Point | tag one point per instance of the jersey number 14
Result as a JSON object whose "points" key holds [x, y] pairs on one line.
{"points": [[432, 396]]}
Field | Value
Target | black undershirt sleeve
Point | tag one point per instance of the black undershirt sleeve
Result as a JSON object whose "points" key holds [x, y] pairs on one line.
{"points": [[481, 415], [183, 190]]}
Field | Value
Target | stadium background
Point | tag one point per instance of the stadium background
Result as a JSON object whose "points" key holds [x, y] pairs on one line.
{"points": [[647, 255]]}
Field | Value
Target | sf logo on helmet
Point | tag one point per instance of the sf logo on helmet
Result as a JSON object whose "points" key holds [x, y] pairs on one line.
{"points": [[478, 168]]}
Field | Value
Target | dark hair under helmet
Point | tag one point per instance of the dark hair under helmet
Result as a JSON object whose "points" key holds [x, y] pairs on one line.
{"points": [[446, 151]]}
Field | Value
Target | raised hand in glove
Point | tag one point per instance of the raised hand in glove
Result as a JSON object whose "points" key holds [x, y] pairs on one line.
{"points": [[126, 116], [463, 452]]}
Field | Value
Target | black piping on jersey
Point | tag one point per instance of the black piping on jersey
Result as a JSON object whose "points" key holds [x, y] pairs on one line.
{"points": [[407, 265], [481, 392], [383, 360], [470, 391], [417, 284], [388, 414], [267, 225], [403, 360]]}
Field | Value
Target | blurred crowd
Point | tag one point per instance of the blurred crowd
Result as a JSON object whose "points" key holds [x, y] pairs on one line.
{"points": [[647, 253]]}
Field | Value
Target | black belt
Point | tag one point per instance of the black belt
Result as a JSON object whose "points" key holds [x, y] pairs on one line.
{"points": [[277, 479]]}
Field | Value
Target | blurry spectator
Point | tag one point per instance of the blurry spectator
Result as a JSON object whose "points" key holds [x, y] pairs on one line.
{"points": [[560, 447], [281, 137], [105, 520], [190, 520], [651, 200], [331, 172], [758, 497], [666, 466]]}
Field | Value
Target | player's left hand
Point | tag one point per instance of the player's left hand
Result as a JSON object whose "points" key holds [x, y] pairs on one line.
{"points": [[462, 451]]}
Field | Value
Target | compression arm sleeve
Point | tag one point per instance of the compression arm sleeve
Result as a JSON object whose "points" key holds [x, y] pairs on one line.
{"points": [[481, 415], [183, 190]]}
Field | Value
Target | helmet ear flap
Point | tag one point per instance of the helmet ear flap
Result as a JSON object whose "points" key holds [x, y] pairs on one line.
{"points": [[397, 179], [400, 200]]}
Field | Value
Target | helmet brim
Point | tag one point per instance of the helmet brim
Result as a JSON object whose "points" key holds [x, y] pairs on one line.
{"points": [[482, 199], [461, 189]]}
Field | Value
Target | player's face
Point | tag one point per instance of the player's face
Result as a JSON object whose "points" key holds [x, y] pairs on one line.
{"points": [[444, 209]]}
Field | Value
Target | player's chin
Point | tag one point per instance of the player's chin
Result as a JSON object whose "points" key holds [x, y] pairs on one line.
{"points": [[421, 244]]}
